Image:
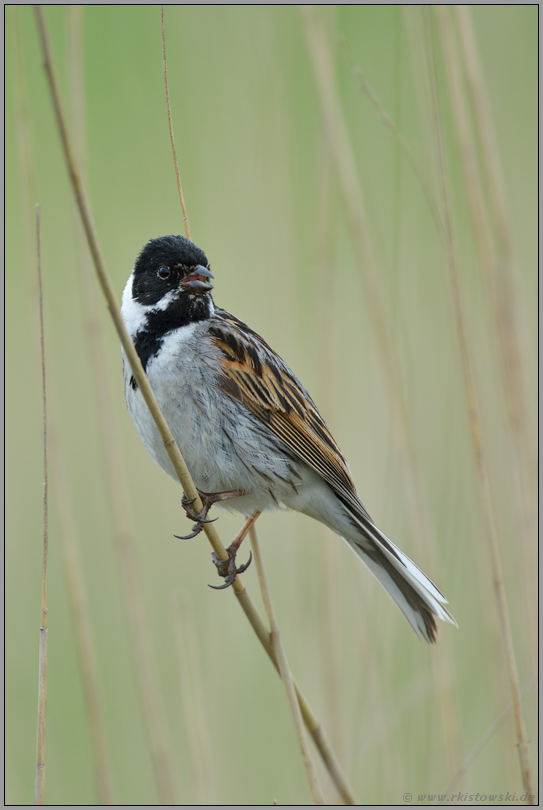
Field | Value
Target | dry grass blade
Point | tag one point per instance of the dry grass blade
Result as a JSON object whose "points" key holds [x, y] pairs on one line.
{"points": [[476, 750], [79, 609], [509, 314], [343, 155], [170, 124], [86, 656], [325, 343], [144, 655], [191, 685], [483, 482], [284, 671], [311, 721], [493, 174], [39, 787], [176, 458], [24, 138], [389, 123], [503, 308]]}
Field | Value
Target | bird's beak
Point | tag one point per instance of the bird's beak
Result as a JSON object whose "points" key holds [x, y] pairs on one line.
{"points": [[197, 280]]}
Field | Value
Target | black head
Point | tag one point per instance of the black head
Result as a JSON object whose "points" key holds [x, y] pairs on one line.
{"points": [[170, 263], [170, 283]]}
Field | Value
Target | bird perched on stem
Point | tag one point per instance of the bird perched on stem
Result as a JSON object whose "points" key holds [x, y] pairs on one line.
{"points": [[250, 433]]}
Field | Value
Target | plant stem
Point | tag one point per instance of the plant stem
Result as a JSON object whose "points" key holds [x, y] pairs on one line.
{"points": [[170, 125], [141, 642], [285, 673], [39, 787], [173, 451], [482, 477]]}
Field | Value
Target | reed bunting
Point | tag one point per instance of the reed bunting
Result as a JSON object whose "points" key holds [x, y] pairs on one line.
{"points": [[250, 433]]}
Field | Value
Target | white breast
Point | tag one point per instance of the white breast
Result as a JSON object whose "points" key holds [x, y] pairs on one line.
{"points": [[224, 446]]}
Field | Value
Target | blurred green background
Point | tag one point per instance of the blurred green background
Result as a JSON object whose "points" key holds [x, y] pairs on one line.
{"points": [[264, 204]]}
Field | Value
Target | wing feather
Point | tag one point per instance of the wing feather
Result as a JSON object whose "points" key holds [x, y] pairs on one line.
{"points": [[253, 374]]}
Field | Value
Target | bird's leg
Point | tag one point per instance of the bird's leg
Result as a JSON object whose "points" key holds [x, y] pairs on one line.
{"points": [[227, 568], [208, 499]]}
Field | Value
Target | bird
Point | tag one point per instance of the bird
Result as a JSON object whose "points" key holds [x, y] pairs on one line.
{"points": [[250, 433]]}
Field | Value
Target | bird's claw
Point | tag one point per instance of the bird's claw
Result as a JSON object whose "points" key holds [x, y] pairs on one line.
{"points": [[227, 568], [208, 499], [196, 529], [199, 517]]}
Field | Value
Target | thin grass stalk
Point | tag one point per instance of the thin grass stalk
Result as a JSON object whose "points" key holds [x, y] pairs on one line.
{"points": [[491, 163], [39, 786], [415, 34], [325, 348], [510, 319], [324, 340], [483, 482], [76, 84], [170, 125], [191, 680], [441, 663], [347, 173], [141, 645], [345, 164], [468, 155], [284, 671], [324, 344], [377, 732], [143, 654], [476, 750], [311, 721], [174, 454], [39, 782], [415, 24], [343, 155], [391, 126], [507, 339], [24, 134], [79, 611], [28, 171], [497, 201]]}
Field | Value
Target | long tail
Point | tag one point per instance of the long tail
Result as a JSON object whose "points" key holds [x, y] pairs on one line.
{"points": [[414, 593]]}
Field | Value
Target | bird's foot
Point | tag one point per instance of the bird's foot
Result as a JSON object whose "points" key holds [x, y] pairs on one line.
{"points": [[227, 568], [208, 499]]}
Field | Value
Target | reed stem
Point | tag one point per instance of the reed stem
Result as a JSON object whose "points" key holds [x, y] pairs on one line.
{"points": [[173, 451], [482, 477], [170, 125], [39, 787], [141, 643], [284, 671]]}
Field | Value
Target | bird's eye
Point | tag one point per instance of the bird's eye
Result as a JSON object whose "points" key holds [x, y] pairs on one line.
{"points": [[163, 272]]}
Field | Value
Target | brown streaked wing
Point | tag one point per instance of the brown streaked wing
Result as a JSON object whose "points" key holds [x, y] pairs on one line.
{"points": [[255, 376]]}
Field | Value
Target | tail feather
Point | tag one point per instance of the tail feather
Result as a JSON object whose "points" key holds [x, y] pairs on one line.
{"points": [[415, 594]]}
